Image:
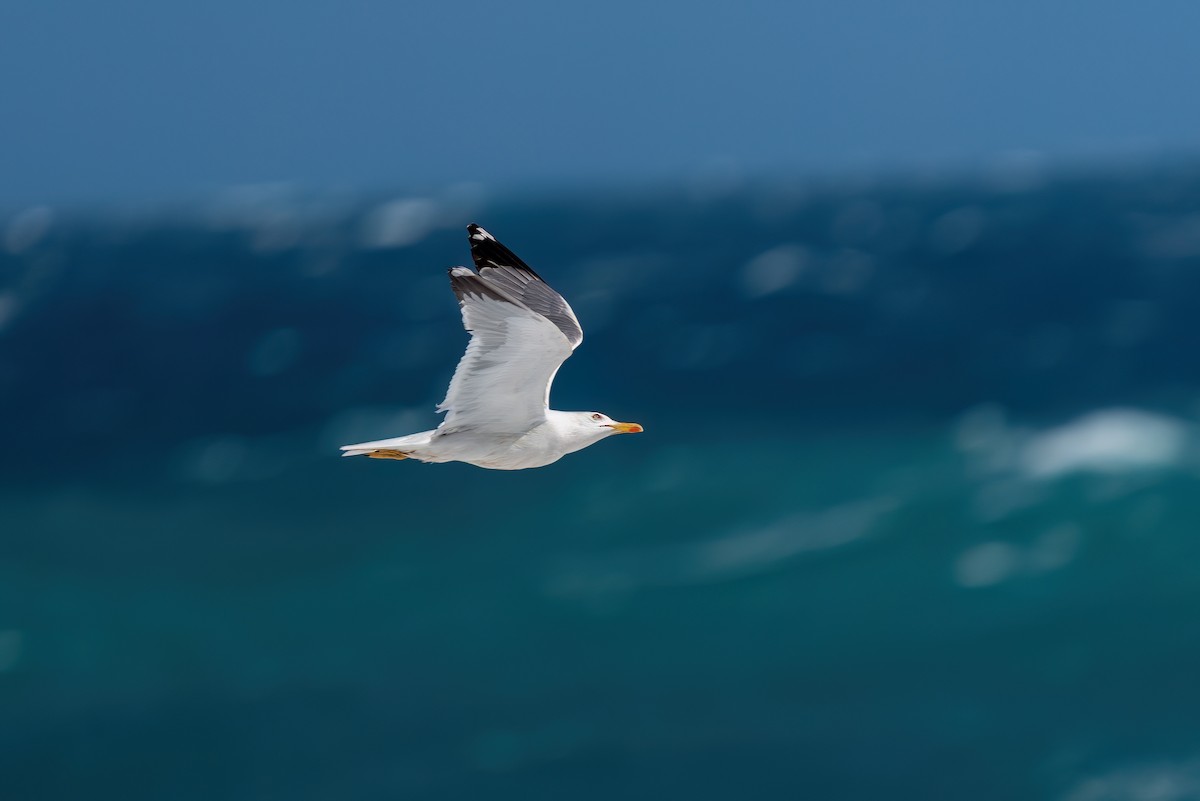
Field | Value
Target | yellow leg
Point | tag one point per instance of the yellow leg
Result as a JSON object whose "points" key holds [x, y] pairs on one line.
{"points": [[386, 454]]}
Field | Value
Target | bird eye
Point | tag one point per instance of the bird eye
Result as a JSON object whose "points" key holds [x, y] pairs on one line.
{"points": [[597, 416]]}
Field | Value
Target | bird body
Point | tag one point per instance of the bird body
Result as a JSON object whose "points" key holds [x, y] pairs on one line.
{"points": [[497, 405], [547, 442]]}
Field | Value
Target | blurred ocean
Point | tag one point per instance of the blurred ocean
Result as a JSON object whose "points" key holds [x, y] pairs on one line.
{"points": [[915, 515]]}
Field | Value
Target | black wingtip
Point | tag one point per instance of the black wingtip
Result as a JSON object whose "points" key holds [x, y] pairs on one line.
{"points": [[487, 251], [478, 233]]}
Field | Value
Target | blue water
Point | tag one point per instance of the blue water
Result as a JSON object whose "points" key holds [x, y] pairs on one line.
{"points": [[914, 515]]}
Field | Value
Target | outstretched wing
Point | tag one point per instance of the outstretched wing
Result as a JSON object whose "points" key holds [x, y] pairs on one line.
{"points": [[501, 268], [521, 332]]}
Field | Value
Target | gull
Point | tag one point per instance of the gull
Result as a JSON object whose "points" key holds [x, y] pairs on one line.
{"points": [[498, 413]]}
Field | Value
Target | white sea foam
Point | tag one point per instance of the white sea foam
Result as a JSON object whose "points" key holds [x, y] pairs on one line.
{"points": [[1166, 780], [773, 270], [736, 555], [27, 228], [1106, 441], [1112, 441], [399, 223]]}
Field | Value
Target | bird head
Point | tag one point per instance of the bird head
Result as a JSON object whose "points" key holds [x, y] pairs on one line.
{"points": [[604, 425]]}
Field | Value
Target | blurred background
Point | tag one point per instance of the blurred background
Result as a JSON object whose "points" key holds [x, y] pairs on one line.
{"points": [[904, 295]]}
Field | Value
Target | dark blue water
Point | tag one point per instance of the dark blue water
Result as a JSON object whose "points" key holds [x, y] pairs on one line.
{"points": [[915, 515]]}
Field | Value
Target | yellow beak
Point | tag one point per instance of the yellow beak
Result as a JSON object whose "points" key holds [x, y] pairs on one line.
{"points": [[626, 428]]}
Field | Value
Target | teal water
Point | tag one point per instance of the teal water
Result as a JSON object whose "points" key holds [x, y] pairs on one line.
{"points": [[914, 515]]}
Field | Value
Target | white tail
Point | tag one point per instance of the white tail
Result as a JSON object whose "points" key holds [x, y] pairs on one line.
{"points": [[350, 451], [402, 444]]}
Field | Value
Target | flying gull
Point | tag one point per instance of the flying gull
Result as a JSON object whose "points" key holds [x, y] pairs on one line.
{"points": [[498, 411]]}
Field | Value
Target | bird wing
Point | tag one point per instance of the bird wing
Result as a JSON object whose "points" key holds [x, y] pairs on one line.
{"points": [[521, 333], [501, 268]]}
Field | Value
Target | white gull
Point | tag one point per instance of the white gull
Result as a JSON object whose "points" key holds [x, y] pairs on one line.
{"points": [[497, 408]]}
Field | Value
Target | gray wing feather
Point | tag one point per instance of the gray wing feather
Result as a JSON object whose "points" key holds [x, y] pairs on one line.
{"points": [[503, 270], [502, 382]]}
